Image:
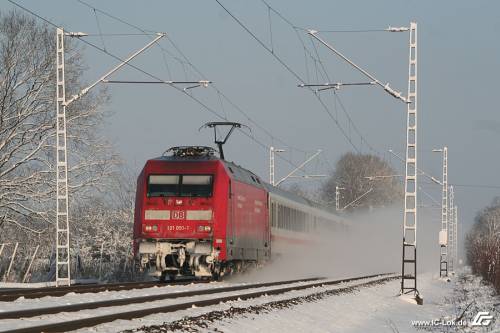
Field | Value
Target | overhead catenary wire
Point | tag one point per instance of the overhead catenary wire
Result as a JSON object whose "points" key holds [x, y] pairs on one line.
{"points": [[480, 186], [386, 87], [336, 96], [281, 61], [231, 102], [388, 29], [288, 67], [185, 61], [358, 31], [150, 33], [220, 93], [312, 34], [120, 34], [112, 16], [205, 106], [34, 14], [236, 19], [145, 32], [158, 79], [270, 28], [99, 29], [296, 28]]}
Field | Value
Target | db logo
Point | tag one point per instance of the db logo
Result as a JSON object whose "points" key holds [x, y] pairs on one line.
{"points": [[178, 215], [482, 318]]}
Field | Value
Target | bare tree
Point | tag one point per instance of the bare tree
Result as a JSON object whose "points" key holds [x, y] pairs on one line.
{"points": [[27, 128], [302, 191], [352, 172]]}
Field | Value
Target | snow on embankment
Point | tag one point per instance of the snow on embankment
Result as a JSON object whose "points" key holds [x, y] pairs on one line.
{"points": [[376, 308]]}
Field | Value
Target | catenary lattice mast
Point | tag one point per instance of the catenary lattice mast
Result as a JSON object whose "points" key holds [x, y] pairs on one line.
{"points": [[443, 234], [63, 276], [456, 236], [63, 263], [409, 260], [451, 233]]}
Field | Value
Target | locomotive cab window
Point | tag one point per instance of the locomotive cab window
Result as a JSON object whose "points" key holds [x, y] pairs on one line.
{"points": [[180, 185], [196, 186], [163, 185]]}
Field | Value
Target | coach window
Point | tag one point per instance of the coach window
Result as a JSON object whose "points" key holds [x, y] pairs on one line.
{"points": [[280, 216], [277, 216], [296, 220], [163, 185], [283, 217], [272, 214], [287, 219], [300, 221]]}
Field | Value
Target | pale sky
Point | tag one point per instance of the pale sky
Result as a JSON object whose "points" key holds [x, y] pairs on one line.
{"points": [[459, 66]]}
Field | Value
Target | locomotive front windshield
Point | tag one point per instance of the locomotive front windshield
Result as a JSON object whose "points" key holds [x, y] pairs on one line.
{"points": [[180, 186]]}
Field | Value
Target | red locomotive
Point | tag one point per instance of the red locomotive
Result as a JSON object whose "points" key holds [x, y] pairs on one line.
{"points": [[197, 214]]}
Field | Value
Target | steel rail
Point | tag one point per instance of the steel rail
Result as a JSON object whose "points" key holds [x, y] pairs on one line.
{"points": [[13, 294], [132, 314]]}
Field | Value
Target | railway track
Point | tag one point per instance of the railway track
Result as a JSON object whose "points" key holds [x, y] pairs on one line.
{"points": [[247, 292], [134, 300], [13, 294]]}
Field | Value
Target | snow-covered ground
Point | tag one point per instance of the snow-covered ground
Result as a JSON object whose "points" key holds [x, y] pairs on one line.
{"points": [[373, 309], [376, 308], [119, 325]]}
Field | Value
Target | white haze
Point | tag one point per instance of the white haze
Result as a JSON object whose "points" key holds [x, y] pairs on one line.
{"points": [[371, 244]]}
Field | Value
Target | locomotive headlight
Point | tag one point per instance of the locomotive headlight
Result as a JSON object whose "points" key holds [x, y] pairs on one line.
{"points": [[204, 228], [149, 228]]}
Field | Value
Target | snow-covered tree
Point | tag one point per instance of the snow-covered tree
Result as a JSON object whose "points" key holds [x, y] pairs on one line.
{"points": [[27, 150], [27, 126], [483, 244], [352, 172]]}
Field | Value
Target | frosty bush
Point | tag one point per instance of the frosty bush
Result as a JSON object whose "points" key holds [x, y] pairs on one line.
{"points": [[483, 244]]}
